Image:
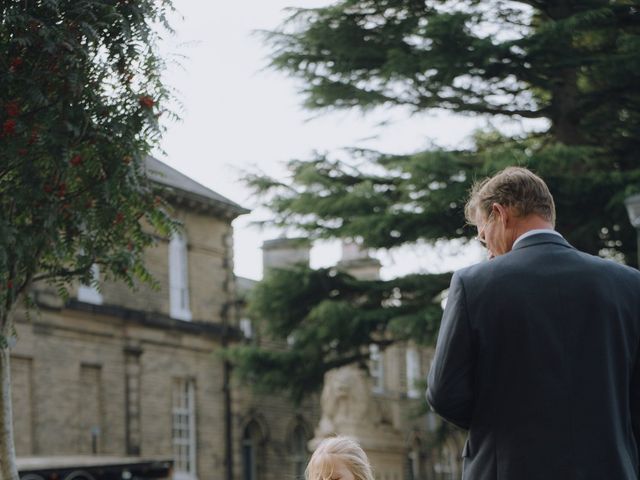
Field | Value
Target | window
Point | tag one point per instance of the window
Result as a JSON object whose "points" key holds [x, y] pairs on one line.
{"points": [[246, 327], [179, 278], [299, 451], [250, 444], [22, 387], [446, 465], [432, 422], [413, 468], [376, 368], [184, 429], [90, 293], [89, 411], [408, 468], [413, 372]]}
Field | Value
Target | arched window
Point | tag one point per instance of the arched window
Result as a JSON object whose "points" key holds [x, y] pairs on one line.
{"points": [[179, 278], [251, 439], [446, 466], [299, 451], [414, 461]]}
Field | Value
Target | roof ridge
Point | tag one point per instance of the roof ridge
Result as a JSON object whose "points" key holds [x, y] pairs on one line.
{"points": [[165, 174]]}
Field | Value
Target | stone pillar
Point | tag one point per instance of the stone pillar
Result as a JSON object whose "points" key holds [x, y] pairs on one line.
{"points": [[132, 398]]}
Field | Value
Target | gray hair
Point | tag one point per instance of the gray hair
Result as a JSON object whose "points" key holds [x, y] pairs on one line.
{"points": [[515, 187]]}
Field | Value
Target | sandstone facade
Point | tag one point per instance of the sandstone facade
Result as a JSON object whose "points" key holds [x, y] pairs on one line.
{"points": [[117, 375]]}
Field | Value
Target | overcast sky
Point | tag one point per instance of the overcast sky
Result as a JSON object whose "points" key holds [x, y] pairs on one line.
{"points": [[240, 116]]}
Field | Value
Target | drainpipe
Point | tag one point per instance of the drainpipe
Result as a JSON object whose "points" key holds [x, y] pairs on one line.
{"points": [[226, 389]]}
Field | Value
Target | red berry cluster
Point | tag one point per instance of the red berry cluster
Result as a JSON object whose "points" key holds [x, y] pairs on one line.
{"points": [[12, 108], [9, 127], [146, 101], [15, 63]]}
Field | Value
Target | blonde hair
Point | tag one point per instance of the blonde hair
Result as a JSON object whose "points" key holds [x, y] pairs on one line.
{"points": [[515, 187], [347, 450]]}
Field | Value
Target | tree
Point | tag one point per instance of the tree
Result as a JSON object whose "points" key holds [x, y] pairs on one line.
{"points": [[80, 93], [574, 66]]}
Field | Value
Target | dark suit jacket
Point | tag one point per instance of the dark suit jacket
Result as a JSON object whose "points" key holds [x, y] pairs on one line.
{"points": [[537, 357]]}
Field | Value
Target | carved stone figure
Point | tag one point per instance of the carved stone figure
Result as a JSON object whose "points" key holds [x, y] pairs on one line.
{"points": [[350, 408]]}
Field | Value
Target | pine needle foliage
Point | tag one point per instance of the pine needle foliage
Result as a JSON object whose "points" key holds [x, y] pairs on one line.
{"points": [[573, 66], [327, 318]]}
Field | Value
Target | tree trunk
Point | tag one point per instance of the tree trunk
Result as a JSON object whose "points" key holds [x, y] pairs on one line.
{"points": [[8, 467], [565, 114]]}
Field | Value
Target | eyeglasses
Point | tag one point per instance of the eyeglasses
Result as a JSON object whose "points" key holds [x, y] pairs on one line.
{"points": [[480, 236]]}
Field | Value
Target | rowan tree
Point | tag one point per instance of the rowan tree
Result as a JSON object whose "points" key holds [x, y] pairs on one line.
{"points": [[80, 96]]}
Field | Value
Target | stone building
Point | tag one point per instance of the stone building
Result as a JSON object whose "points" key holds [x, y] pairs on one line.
{"points": [[121, 373], [384, 408], [402, 443], [136, 374]]}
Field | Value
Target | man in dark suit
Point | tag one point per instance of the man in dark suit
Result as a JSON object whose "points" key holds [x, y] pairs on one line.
{"points": [[537, 354]]}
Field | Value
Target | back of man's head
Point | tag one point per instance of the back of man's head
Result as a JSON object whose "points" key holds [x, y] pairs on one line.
{"points": [[515, 187]]}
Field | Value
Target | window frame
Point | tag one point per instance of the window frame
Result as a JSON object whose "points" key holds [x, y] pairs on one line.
{"points": [[412, 359], [179, 298], [251, 439], [376, 368], [299, 451], [90, 293], [183, 420]]}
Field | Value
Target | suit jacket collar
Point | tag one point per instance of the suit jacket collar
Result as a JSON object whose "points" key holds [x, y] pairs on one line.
{"points": [[541, 238]]}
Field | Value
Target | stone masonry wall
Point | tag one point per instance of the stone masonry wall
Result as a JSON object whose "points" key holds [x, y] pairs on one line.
{"points": [[78, 369], [209, 266]]}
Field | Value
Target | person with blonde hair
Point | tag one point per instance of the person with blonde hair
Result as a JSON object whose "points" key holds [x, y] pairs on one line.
{"points": [[339, 458]]}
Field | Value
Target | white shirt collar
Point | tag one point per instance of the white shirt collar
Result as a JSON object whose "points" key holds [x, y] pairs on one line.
{"points": [[535, 232]]}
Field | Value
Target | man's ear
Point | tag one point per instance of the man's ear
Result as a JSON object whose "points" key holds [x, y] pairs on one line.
{"points": [[501, 213]]}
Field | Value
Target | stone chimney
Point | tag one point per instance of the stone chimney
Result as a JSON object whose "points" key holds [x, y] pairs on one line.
{"points": [[357, 262], [285, 252]]}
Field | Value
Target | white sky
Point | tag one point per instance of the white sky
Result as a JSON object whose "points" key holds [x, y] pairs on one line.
{"points": [[239, 116]]}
